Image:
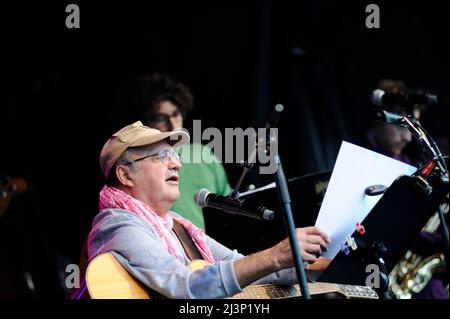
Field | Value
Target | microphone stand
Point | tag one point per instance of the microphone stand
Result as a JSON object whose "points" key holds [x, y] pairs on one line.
{"points": [[283, 195], [427, 143], [430, 147]]}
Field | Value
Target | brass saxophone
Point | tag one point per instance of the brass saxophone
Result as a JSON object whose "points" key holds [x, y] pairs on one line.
{"points": [[413, 272]]}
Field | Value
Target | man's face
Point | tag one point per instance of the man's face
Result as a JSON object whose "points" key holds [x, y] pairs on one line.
{"points": [[167, 118], [392, 139], [155, 183]]}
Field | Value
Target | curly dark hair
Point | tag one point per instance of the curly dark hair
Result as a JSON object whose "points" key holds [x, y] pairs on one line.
{"points": [[142, 96]]}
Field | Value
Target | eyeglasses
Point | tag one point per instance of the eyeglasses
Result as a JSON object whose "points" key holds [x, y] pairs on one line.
{"points": [[164, 156]]}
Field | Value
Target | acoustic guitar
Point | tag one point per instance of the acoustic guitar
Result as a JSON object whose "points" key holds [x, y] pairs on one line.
{"points": [[107, 279]]}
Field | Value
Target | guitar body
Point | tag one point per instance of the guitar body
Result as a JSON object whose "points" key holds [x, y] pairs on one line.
{"points": [[107, 279]]}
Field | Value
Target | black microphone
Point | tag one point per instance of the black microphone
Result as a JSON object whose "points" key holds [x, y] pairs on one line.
{"points": [[390, 118], [274, 116], [418, 98], [382, 98], [204, 198]]}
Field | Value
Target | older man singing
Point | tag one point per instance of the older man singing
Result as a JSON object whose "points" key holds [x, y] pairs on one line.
{"points": [[155, 244]]}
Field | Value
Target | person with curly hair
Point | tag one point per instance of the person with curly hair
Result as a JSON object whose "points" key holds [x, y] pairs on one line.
{"points": [[162, 102]]}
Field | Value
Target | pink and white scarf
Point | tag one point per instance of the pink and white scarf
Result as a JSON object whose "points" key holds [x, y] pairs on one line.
{"points": [[111, 197]]}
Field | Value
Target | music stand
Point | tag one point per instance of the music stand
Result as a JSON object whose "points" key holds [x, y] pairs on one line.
{"points": [[394, 222]]}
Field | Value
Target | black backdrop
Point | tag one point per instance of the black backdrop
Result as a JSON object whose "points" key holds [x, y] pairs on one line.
{"points": [[59, 87]]}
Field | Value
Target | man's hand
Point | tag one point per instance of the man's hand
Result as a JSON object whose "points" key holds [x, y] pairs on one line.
{"points": [[312, 242]]}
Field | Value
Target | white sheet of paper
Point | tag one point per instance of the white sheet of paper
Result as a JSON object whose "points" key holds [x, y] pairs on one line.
{"points": [[345, 202]]}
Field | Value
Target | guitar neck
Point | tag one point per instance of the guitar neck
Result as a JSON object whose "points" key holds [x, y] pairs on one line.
{"points": [[269, 291]]}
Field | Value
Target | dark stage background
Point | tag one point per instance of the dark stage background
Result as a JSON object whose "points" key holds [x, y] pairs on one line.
{"points": [[59, 96]]}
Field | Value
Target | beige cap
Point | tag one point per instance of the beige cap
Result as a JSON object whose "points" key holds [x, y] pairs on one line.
{"points": [[135, 135]]}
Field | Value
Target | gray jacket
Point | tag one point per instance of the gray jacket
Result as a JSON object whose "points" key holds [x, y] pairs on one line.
{"points": [[139, 250]]}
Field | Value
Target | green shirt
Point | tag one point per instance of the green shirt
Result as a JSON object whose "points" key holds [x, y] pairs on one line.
{"points": [[196, 173]]}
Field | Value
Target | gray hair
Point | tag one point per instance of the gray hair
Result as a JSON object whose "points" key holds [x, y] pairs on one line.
{"points": [[124, 160], [126, 157]]}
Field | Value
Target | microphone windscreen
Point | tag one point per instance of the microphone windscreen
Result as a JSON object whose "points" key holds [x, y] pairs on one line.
{"points": [[377, 97], [201, 196]]}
